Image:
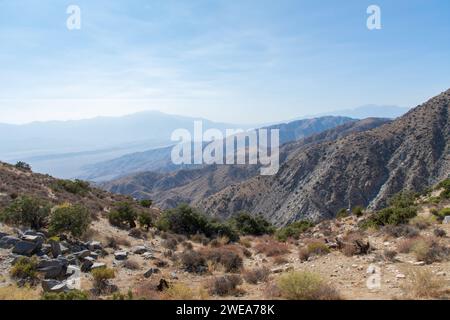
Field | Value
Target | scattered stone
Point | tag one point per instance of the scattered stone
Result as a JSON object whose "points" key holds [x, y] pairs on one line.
{"points": [[49, 284], [441, 273], [446, 220], [174, 275], [55, 248], [98, 265], [419, 263], [53, 269], [148, 255], [163, 285], [94, 245], [120, 255], [140, 249], [82, 254], [151, 272], [86, 266], [400, 276]]}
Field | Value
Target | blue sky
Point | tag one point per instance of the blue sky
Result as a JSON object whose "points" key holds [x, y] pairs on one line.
{"points": [[233, 61]]}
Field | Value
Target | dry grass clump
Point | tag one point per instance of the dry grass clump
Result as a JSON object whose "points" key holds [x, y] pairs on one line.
{"points": [[314, 248], [179, 291], [403, 230], [272, 248], [116, 242], [428, 250], [423, 222], [228, 257], [225, 285], [13, 292], [170, 244], [423, 284], [193, 261], [131, 264], [279, 260], [254, 276], [297, 285]]}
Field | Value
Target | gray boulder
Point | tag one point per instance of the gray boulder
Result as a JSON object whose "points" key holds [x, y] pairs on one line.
{"points": [[53, 269], [446, 220], [8, 242], [94, 245], [140, 249], [55, 249], [54, 286], [86, 266], [98, 265], [26, 248], [151, 272]]}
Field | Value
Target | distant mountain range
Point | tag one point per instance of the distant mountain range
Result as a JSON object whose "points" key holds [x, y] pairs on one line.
{"points": [[61, 148], [159, 160], [358, 163]]}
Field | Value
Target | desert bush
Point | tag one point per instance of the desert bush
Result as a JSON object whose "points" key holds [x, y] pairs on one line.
{"points": [[73, 219], [131, 264], [441, 214], [193, 261], [406, 245], [225, 285], [342, 213], [279, 260], [70, 295], [101, 277], [430, 251], [115, 242], [123, 215], [247, 224], [25, 269], [180, 291], [22, 166], [254, 276], [446, 186], [225, 256], [187, 245], [403, 230], [316, 248], [145, 220], [401, 210], [78, 187], [305, 286], [438, 232], [358, 211], [423, 222], [272, 248], [170, 243], [293, 230], [146, 203], [28, 212], [423, 284], [390, 255]]}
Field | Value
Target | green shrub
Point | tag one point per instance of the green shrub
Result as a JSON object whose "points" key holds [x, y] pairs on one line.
{"points": [[101, 277], [23, 166], [25, 268], [146, 203], [246, 224], [305, 286], [78, 187], [27, 211], [358, 211], [73, 219], [145, 220], [446, 186], [342, 213], [188, 221], [317, 248], [122, 215], [70, 295], [400, 211], [441, 214], [293, 230]]}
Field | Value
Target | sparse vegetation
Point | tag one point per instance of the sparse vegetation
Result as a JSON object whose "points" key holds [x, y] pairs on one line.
{"points": [[257, 275], [314, 248], [305, 286], [294, 230], [423, 284], [247, 224], [77, 187], [226, 257], [225, 285], [22, 166], [70, 295], [272, 248], [145, 220], [101, 277], [146, 203], [25, 269]]}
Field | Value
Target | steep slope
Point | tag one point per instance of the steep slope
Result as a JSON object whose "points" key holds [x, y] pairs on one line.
{"points": [[194, 185], [158, 160], [360, 169]]}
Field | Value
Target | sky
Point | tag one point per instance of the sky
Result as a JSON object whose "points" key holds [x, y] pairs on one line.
{"points": [[243, 61]]}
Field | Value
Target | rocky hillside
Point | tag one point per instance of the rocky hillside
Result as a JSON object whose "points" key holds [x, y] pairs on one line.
{"points": [[194, 185], [365, 168]]}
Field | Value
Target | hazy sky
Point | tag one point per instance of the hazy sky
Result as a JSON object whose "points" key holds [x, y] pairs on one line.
{"points": [[226, 60]]}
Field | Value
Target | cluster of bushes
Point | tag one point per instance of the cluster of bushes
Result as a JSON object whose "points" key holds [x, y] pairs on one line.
{"points": [[272, 248], [77, 187], [124, 215], [37, 214], [197, 261], [25, 268], [71, 295], [225, 285], [187, 221], [294, 230], [22, 166], [446, 186], [425, 249], [401, 210], [247, 224]]}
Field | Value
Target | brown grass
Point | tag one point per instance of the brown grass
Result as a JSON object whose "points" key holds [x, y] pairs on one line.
{"points": [[254, 276], [272, 248], [423, 284]]}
